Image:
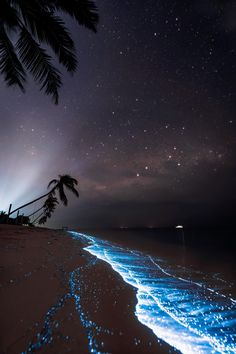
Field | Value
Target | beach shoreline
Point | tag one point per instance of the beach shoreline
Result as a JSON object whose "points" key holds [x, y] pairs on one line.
{"points": [[56, 298]]}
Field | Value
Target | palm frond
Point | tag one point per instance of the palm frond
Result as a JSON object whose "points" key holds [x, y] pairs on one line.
{"points": [[38, 62], [40, 22], [48, 28], [10, 66], [68, 179], [8, 16], [83, 11], [48, 208], [73, 190], [42, 220], [53, 181], [73, 181], [50, 202], [62, 195]]}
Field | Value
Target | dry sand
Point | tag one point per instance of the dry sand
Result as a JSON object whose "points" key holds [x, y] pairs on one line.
{"points": [[36, 266]]}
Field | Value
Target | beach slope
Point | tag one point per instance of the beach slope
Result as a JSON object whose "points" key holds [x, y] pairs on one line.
{"points": [[57, 298]]}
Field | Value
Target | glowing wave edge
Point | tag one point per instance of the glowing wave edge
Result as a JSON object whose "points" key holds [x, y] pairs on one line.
{"points": [[191, 316]]}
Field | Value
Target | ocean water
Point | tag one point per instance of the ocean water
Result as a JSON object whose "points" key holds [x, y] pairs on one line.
{"points": [[186, 297]]}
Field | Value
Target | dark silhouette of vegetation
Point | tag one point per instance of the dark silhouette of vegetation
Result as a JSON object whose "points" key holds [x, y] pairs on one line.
{"points": [[19, 220], [59, 185], [22, 220], [47, 204], [3, 217], [48, 207], [27, 26]]}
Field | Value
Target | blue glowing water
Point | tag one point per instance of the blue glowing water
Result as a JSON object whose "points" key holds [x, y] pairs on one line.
{"points": [[191, 315]]}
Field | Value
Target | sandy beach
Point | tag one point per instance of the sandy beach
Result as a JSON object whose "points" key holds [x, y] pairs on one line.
{"points": [[42, 312]]}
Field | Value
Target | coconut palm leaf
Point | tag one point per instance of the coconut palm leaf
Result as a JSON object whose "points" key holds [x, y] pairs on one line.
{"points": [[42, 220], [83, 11], [73, 190], [48, 207], [67, 179], [53, 181], [37, 23], [67, 182], [8, 16], [62, 194], [10, 65], [51, 201], [49, 28], [38, 62]]}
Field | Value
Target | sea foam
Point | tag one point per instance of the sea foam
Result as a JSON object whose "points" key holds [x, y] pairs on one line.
{"points": [[192, 316]]}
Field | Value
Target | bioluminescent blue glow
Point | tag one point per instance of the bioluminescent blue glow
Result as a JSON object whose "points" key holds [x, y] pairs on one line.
{"points": [[191, 315], [47, 334], [92, 329]]}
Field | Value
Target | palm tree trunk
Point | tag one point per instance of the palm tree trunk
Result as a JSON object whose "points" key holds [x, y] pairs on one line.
{"points": [[33, 201], [38, 218], [35, 212]]}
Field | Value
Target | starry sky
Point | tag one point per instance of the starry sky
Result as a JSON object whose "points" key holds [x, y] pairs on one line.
{"points": [[147, 124]]}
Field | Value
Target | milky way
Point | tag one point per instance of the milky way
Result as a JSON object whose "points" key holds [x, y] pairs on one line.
{"points": [[147, 124]]}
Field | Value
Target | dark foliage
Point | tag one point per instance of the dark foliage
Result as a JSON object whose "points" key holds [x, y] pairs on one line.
{"points": [[27, 27]]}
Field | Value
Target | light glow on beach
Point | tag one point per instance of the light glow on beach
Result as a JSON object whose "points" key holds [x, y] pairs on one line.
{"points": [[185, 312], [46, 334]]}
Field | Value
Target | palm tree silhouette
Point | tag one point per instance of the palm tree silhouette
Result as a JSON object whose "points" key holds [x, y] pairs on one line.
{"points": [[27, 26], [48, 207], [59, 184], [49, 203]]}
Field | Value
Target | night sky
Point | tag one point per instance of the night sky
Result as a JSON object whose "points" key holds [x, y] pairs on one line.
{"points": [[147, 124]]}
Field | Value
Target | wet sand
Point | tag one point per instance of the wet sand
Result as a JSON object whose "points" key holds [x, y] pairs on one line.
{"points": [[41, 313]]}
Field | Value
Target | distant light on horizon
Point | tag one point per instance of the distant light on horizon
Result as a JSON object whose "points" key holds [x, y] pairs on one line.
{"points": [[16, 188], [20, 179], [179, 227]]}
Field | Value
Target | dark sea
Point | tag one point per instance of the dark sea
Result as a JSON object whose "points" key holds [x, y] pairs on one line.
{"points": [[184, 281]]}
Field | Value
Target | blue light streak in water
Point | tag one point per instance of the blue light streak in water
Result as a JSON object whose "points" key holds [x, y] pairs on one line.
{"points": [[190, 315]]}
